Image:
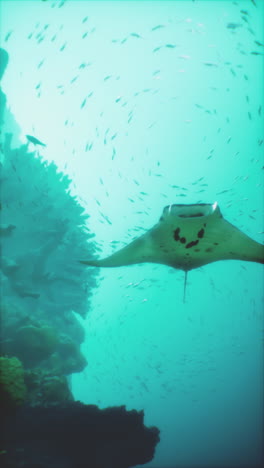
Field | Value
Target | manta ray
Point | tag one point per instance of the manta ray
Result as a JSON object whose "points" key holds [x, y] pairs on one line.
{"points": [[187, 237]]}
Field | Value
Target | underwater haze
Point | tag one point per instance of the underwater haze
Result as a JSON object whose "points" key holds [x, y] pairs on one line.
{"points": [[144, 104]]}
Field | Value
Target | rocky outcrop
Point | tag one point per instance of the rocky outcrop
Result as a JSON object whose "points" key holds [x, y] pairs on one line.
{"points": [[74, 435]]}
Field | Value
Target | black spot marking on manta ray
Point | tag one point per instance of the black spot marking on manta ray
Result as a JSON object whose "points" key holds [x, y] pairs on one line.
{"points": [[162, 218], [209, 249], [192, 244], [201, 233], [216, 243], [197, 250], [176, 234]]}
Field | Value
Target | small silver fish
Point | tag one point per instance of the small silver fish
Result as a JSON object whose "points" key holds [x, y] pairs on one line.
{"points": [[233, 26]]}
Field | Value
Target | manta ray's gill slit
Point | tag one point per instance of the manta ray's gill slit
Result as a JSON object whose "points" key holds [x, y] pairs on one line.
{"points": [[162, 247]]}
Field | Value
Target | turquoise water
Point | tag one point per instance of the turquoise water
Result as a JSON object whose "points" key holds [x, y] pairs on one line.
{"points": [[146, 104]]}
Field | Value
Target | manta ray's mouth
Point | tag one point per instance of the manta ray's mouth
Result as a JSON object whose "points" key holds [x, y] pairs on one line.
{"points": [[190, 211]]}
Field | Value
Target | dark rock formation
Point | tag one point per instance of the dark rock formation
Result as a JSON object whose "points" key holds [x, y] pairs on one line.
{"points": [[74, 435]]}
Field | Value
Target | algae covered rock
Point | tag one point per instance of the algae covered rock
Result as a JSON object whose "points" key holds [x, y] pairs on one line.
{"points": [[68, 358], [44, 388], [55, 389], [35, 343], [12, 384]]}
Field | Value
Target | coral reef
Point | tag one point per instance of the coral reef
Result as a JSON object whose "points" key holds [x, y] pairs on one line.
{"points": [[32, 387], [42, 234], [39, 346], [33, 344], [43, 231], [74, 435], [68, 358], [44, 388]]}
